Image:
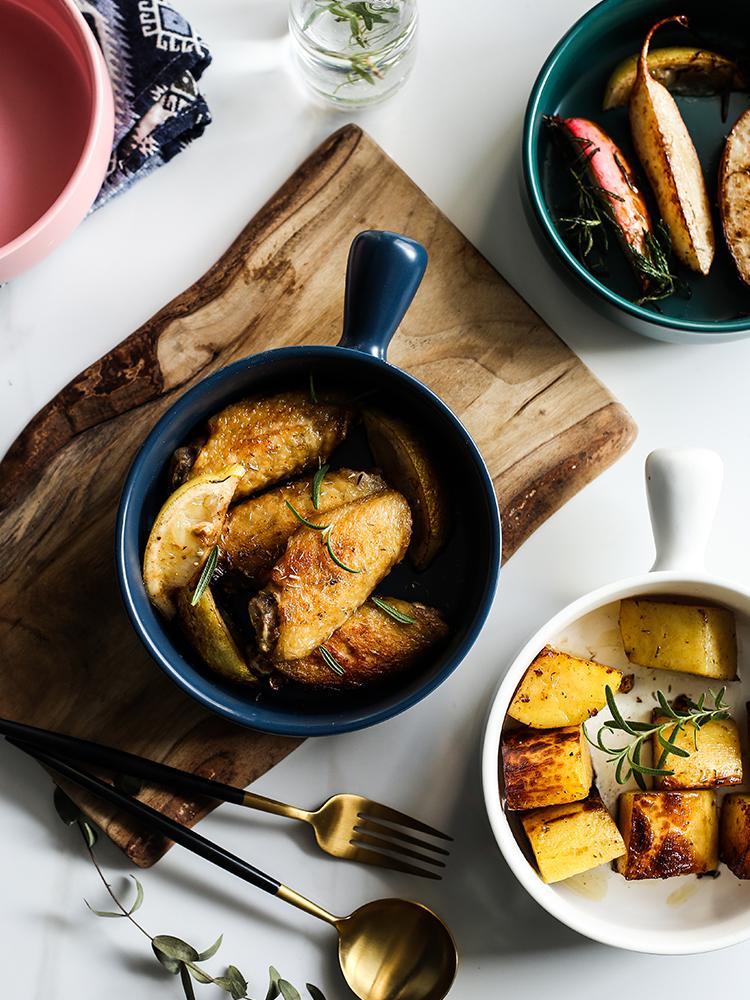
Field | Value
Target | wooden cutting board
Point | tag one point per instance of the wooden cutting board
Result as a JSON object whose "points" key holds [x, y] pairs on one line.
{"points": [[545, 426]]}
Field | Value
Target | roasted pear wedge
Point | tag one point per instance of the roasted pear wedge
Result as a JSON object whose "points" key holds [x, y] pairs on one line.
{"points": [[184, 532], [681, 69], [734, 195], [667, 154], [211, 636], [406, 462]]}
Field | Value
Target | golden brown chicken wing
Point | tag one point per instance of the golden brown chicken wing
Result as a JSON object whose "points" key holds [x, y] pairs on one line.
{"points": [[273, 437], [328, 572], [256, 531], [370, 646]]}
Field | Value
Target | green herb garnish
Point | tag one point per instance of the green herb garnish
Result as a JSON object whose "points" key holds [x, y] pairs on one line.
{"points": [[627, 759], [316, 484], [205, 577], [325, 538], [393, 612], [175, 955], [331, 661]]}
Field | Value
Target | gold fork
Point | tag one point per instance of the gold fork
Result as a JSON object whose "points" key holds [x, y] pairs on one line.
{"points": [[346, 826]]}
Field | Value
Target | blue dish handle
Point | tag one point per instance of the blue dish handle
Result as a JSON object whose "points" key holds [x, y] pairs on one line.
{"points": [[383, 274]]}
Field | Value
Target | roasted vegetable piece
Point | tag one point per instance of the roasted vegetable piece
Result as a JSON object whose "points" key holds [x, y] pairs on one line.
{"points": [[734, 195], [543, 767], [274, 437], [681, 69], [257, 530], [185, 530], [734, 834], [370, 646], [561, 690], [668, 833], [694, 639], [572, 838], [408, 464], [715, 757], [327, 572], [212, 636], [605, 176], [667, 154]]}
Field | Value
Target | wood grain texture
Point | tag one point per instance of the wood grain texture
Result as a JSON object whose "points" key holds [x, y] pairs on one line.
{"points": [[545, 425]]}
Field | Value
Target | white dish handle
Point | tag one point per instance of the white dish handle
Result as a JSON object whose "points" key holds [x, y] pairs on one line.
{"points": [[683, 487]]}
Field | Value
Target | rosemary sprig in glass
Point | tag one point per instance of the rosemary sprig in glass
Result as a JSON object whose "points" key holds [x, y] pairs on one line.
{"points": [[628, 759]]}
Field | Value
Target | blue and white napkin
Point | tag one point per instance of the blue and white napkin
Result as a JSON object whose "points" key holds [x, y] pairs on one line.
{"points": [[154, 59]]}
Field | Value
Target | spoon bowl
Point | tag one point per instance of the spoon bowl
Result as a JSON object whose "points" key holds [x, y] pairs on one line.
{"points": [[395, 949]]}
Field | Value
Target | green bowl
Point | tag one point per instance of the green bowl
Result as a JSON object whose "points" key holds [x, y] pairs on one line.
{"points": [[571, 84]]}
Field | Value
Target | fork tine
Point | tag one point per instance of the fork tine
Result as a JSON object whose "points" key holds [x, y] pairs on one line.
{"points": [[383, 845], [395, 864], [380, 811], [387, 831]]}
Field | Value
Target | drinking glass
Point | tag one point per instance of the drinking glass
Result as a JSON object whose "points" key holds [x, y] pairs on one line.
{"points": [[353, 55]]}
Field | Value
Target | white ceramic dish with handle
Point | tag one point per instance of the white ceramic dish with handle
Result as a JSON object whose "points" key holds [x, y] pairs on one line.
{"points": [[685, 914]]}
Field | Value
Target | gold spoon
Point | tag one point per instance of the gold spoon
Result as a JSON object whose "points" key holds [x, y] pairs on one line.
{"points": [[389, 949]]}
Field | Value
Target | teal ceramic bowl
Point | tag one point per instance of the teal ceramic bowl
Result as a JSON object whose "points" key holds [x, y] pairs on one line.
{"points": [[572, 84]]}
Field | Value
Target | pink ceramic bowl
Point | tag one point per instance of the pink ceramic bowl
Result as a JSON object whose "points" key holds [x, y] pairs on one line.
{"points": [[56, 123]]}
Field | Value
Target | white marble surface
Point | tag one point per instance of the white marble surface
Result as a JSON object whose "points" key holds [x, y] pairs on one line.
{"points": [[455, 130]]}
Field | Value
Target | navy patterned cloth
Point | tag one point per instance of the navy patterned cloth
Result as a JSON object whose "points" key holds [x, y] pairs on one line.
{"points": [[154, 59]]}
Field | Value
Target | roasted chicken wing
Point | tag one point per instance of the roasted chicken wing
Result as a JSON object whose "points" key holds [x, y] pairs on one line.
{"points": [[256, 531], [328, 571], [272, 437], [370, 646]]}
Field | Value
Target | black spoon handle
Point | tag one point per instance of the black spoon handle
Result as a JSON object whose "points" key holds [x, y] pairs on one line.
{"points": [[154, 819], [119, 761]]}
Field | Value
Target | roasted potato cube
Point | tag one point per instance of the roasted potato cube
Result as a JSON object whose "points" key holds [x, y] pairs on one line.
{"points": [[668, 833], [694, 639], [734, 834], [572, 838], [715, 755], [561, 690], [544, 767]]}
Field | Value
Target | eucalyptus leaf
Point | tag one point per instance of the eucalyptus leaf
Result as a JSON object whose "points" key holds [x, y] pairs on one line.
{"points": [[314, 992], [187, 984], [287, 991], [89, 832], [210, 952], [66, 808], [273, 984], [170, 964], [174, 947], [198, 974]]}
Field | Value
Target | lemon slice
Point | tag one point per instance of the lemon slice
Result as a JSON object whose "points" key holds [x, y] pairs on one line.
{"points": [[184, 532], [211, 636], [681, 69], [406, 462]]}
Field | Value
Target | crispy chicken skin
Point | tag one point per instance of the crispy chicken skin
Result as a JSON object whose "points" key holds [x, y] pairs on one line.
{"points": [[370, 646], [310, 595], [256, 531], [273, 437]]}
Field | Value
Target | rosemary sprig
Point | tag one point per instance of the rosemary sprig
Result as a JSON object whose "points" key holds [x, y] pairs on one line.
{"points": [[325, 538], [595, 214], [360, 16], [331, 661], [205, 577], [399, 616], [316, 484], [627, 759]]}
